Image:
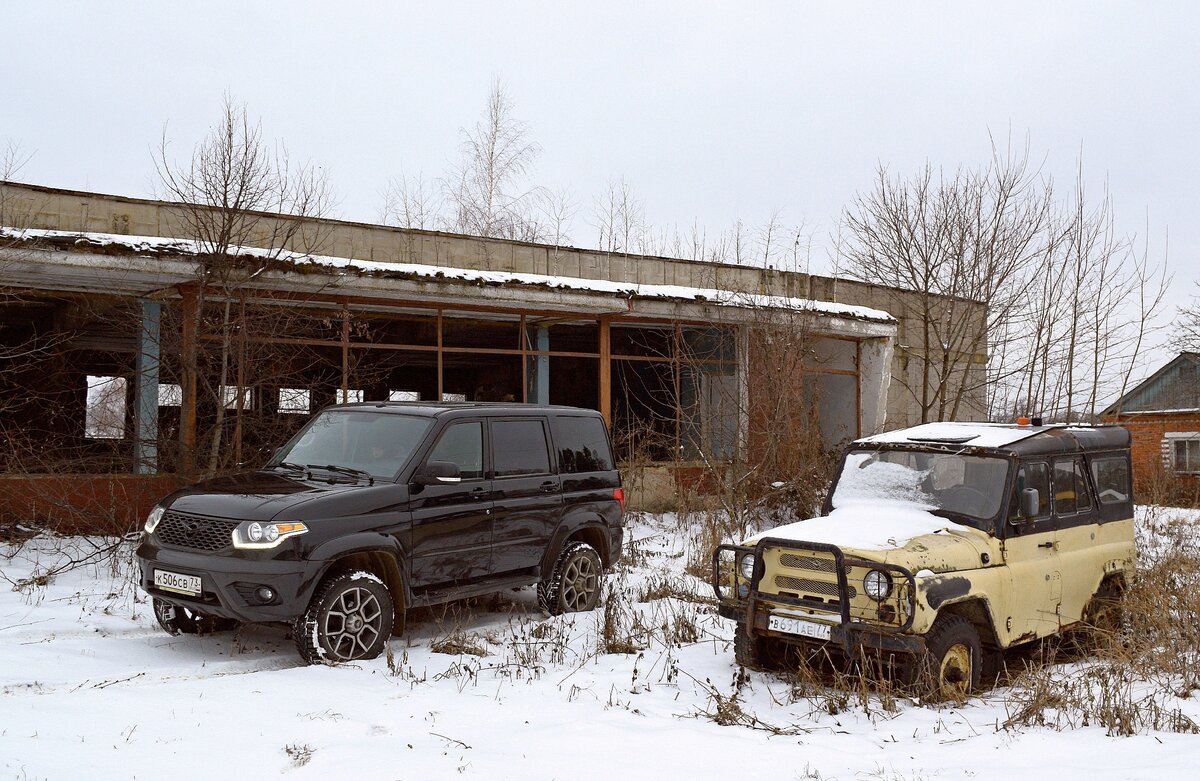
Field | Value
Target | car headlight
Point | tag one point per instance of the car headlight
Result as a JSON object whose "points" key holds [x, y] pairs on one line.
{"points": [[746, 566], [877, 584], [152, 519], [258, 535]]}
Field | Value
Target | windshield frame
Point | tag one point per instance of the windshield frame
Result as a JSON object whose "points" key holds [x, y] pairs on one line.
{"points": [[283, 452], [991, 525]]}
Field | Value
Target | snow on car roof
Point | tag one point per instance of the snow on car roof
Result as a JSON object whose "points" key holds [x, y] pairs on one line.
{"points": [[971, 434]]}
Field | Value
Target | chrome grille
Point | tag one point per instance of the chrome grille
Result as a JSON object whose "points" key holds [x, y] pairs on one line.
{"points": [[810, 586], [197, 532]]}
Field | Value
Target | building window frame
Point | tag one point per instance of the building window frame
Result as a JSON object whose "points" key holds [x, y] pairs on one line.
{"points": [[1183, 452]]}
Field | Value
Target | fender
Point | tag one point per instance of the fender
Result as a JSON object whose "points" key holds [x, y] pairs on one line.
{"points": [[572, 525], [327, 554], [984, 610]]}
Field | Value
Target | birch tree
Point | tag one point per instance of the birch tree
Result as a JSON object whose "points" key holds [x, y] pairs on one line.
{"points": [[237, 191]]}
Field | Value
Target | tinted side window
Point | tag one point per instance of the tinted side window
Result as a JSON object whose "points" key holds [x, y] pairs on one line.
{"points": [[519, 448], [1035, 475], [582, 445], [462, 444], [1071, 493]]}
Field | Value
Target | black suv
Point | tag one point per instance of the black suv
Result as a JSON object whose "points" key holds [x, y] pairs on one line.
{"points": [[375, 508]]}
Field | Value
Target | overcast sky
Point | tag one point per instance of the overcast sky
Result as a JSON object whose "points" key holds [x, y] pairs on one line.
{"points": [[710, 111]]}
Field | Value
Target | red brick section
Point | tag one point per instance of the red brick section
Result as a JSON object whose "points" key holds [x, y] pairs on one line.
{"points": [[1147, 432], [82, 504]]}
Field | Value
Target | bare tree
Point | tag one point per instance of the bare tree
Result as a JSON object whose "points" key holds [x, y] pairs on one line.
{"points": [[486, 191], [619, 219], [1079, 336], [12, 160], [992, 257], [235, 193], [411, 202], [944, 245], [1187, 327]]}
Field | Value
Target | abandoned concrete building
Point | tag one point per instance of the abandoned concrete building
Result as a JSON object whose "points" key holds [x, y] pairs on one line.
{"points": [[130, 362]]}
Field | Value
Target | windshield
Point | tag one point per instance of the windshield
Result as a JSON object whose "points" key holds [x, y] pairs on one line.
{"points": [[967, 489], [372, 442]]}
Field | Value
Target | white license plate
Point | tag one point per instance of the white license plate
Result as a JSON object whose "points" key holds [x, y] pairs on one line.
{"points": [[798, 626], [180, 584]]}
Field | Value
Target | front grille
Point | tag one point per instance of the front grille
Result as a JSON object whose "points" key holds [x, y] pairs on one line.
{"points": [[197, 532], [795, 561], [812, 587]]}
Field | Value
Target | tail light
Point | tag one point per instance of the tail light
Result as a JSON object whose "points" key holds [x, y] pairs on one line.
{"points": [[619, 495]]}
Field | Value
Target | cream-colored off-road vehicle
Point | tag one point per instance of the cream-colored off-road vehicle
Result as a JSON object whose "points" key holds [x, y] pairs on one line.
{"points": [[941, 546]]}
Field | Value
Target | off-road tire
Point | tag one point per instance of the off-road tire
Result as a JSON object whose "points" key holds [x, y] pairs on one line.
{"points": [[762, 653], [1103, 618], [746, 649], [349, 619], [185, 621], [951, 667], [574, 584]]}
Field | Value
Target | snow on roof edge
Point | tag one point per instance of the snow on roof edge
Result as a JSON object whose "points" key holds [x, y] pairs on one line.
{"points": [[160, 244], [966, 434]]}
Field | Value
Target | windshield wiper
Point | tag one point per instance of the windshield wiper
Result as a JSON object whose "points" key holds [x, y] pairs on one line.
{"points": [[961, 518], [345, 470]]}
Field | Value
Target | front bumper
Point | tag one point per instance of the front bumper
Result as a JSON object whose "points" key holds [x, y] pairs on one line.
{"points": [[228, 583], [847, 631]]}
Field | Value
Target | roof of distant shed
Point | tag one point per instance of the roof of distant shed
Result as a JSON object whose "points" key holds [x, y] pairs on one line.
{"points": [[161, 246]]}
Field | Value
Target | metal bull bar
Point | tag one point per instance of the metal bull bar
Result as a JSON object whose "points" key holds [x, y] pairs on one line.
{"points": [[848, 631]]}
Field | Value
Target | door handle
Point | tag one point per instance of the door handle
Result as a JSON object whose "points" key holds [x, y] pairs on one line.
{"points": [[549, 486], [479, 493], [1046, 545]]}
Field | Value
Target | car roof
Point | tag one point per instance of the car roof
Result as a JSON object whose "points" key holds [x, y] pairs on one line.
{"points": [[442, 408], [1007, 438]]}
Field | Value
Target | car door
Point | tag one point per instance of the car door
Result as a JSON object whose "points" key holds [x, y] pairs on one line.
{"points": [[452, 522], [527, 492], [1075, 536], [1034, 569]]}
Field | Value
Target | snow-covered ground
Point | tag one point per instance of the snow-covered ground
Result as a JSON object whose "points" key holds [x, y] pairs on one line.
{"points": [[91, 688]]}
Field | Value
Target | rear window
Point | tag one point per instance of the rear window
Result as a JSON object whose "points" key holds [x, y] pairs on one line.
{"points": [[1111, 476], [582, 445]]}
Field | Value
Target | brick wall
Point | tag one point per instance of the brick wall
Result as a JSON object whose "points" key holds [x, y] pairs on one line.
{"points": [[1150, 450], [82, 504]]}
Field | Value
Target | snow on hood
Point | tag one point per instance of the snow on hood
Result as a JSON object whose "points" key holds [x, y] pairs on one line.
{"points": [[865, 526]]}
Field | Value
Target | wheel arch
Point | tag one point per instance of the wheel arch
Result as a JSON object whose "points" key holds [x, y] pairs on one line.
{"points": [[593, 531], [381, 562], [978, 611]]}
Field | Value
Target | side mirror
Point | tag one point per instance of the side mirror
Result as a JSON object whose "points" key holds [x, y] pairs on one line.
{"points": [[1031, 502], [438, 472]]}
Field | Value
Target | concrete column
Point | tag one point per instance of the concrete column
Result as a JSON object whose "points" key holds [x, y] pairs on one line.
{"points": [[874, 378], [605, 350], [539, 368], [742, 446], [145, 406], [187, 408]]}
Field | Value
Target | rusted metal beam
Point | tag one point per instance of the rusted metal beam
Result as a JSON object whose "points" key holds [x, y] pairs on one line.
{"points": [[605, 379]]}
